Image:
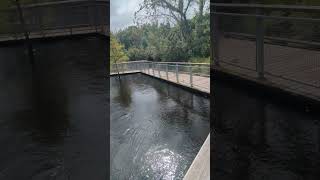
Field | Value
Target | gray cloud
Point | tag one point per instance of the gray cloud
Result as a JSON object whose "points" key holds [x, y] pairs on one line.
{"points": [[122, 13]]}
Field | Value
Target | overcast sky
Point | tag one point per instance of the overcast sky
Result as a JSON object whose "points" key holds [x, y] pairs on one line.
{"points": [[122, 13]]}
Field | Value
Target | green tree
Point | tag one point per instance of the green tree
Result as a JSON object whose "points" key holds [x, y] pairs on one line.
{"points": [[117, 53]]}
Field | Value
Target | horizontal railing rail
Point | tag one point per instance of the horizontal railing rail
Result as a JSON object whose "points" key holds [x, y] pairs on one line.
{"points": [[266, 6]]}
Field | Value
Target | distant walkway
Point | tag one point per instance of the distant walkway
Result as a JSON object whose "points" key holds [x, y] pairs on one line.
{"points": [[192, 75], [198, 82]]}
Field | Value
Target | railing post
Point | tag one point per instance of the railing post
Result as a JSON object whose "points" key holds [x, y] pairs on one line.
{"points": [[215, 35], [153, 69], [144, 67], [159, 70], [148, 68], [190, 70], [260, 45], [167, 72], [177, 73]]}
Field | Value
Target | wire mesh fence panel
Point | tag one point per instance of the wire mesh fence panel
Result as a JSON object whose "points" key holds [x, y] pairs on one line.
{"points": [[237, 45], [280, 44], [56, 17], [296, 59]]}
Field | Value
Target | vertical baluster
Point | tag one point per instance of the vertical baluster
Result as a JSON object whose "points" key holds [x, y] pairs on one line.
{"points": [[190, 70], [153, 69], [167, 71], [177, 72], [159, 65]]}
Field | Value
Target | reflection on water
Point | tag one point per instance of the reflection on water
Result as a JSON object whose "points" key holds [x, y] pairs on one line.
{"points": [[52, 121], [256, 138], [162, 162], [156, 128]]}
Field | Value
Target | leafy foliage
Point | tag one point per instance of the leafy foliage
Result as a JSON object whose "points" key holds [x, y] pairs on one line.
{"points": [[117, 53], [178, 40]]}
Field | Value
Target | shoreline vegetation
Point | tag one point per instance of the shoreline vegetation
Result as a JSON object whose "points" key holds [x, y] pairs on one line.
{"points": [[165, 30]]}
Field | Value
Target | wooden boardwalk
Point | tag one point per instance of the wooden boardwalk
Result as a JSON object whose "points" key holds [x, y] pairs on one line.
{"points": [[200, 83], [295, 70]]}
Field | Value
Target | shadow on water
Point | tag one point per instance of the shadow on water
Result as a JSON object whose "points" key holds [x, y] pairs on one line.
{"points": [[256, 137], [124, 92], [53, 120]]}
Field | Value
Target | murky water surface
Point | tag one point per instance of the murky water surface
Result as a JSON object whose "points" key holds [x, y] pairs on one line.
{"points": [[257, 137], [156, 128], [53, 120]]}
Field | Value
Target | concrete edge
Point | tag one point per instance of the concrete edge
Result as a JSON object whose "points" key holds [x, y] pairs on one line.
{"points": [[200, 167]]}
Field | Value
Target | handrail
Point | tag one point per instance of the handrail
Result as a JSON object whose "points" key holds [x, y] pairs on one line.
{"points": [[36, 24], [157, 62], [190, 74], [56, 3], [265, 6], [312, 43], [266, 16]]}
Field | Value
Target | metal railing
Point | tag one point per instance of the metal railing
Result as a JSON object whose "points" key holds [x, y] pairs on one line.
{"points": [[195, 75], [60, 17], [278, 41]]}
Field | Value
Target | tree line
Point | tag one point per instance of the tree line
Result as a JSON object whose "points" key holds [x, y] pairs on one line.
{"points": [[166, 31]]}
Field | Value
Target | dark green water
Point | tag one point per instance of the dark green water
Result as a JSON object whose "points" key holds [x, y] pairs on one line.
{"points": [[156, 128]]}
